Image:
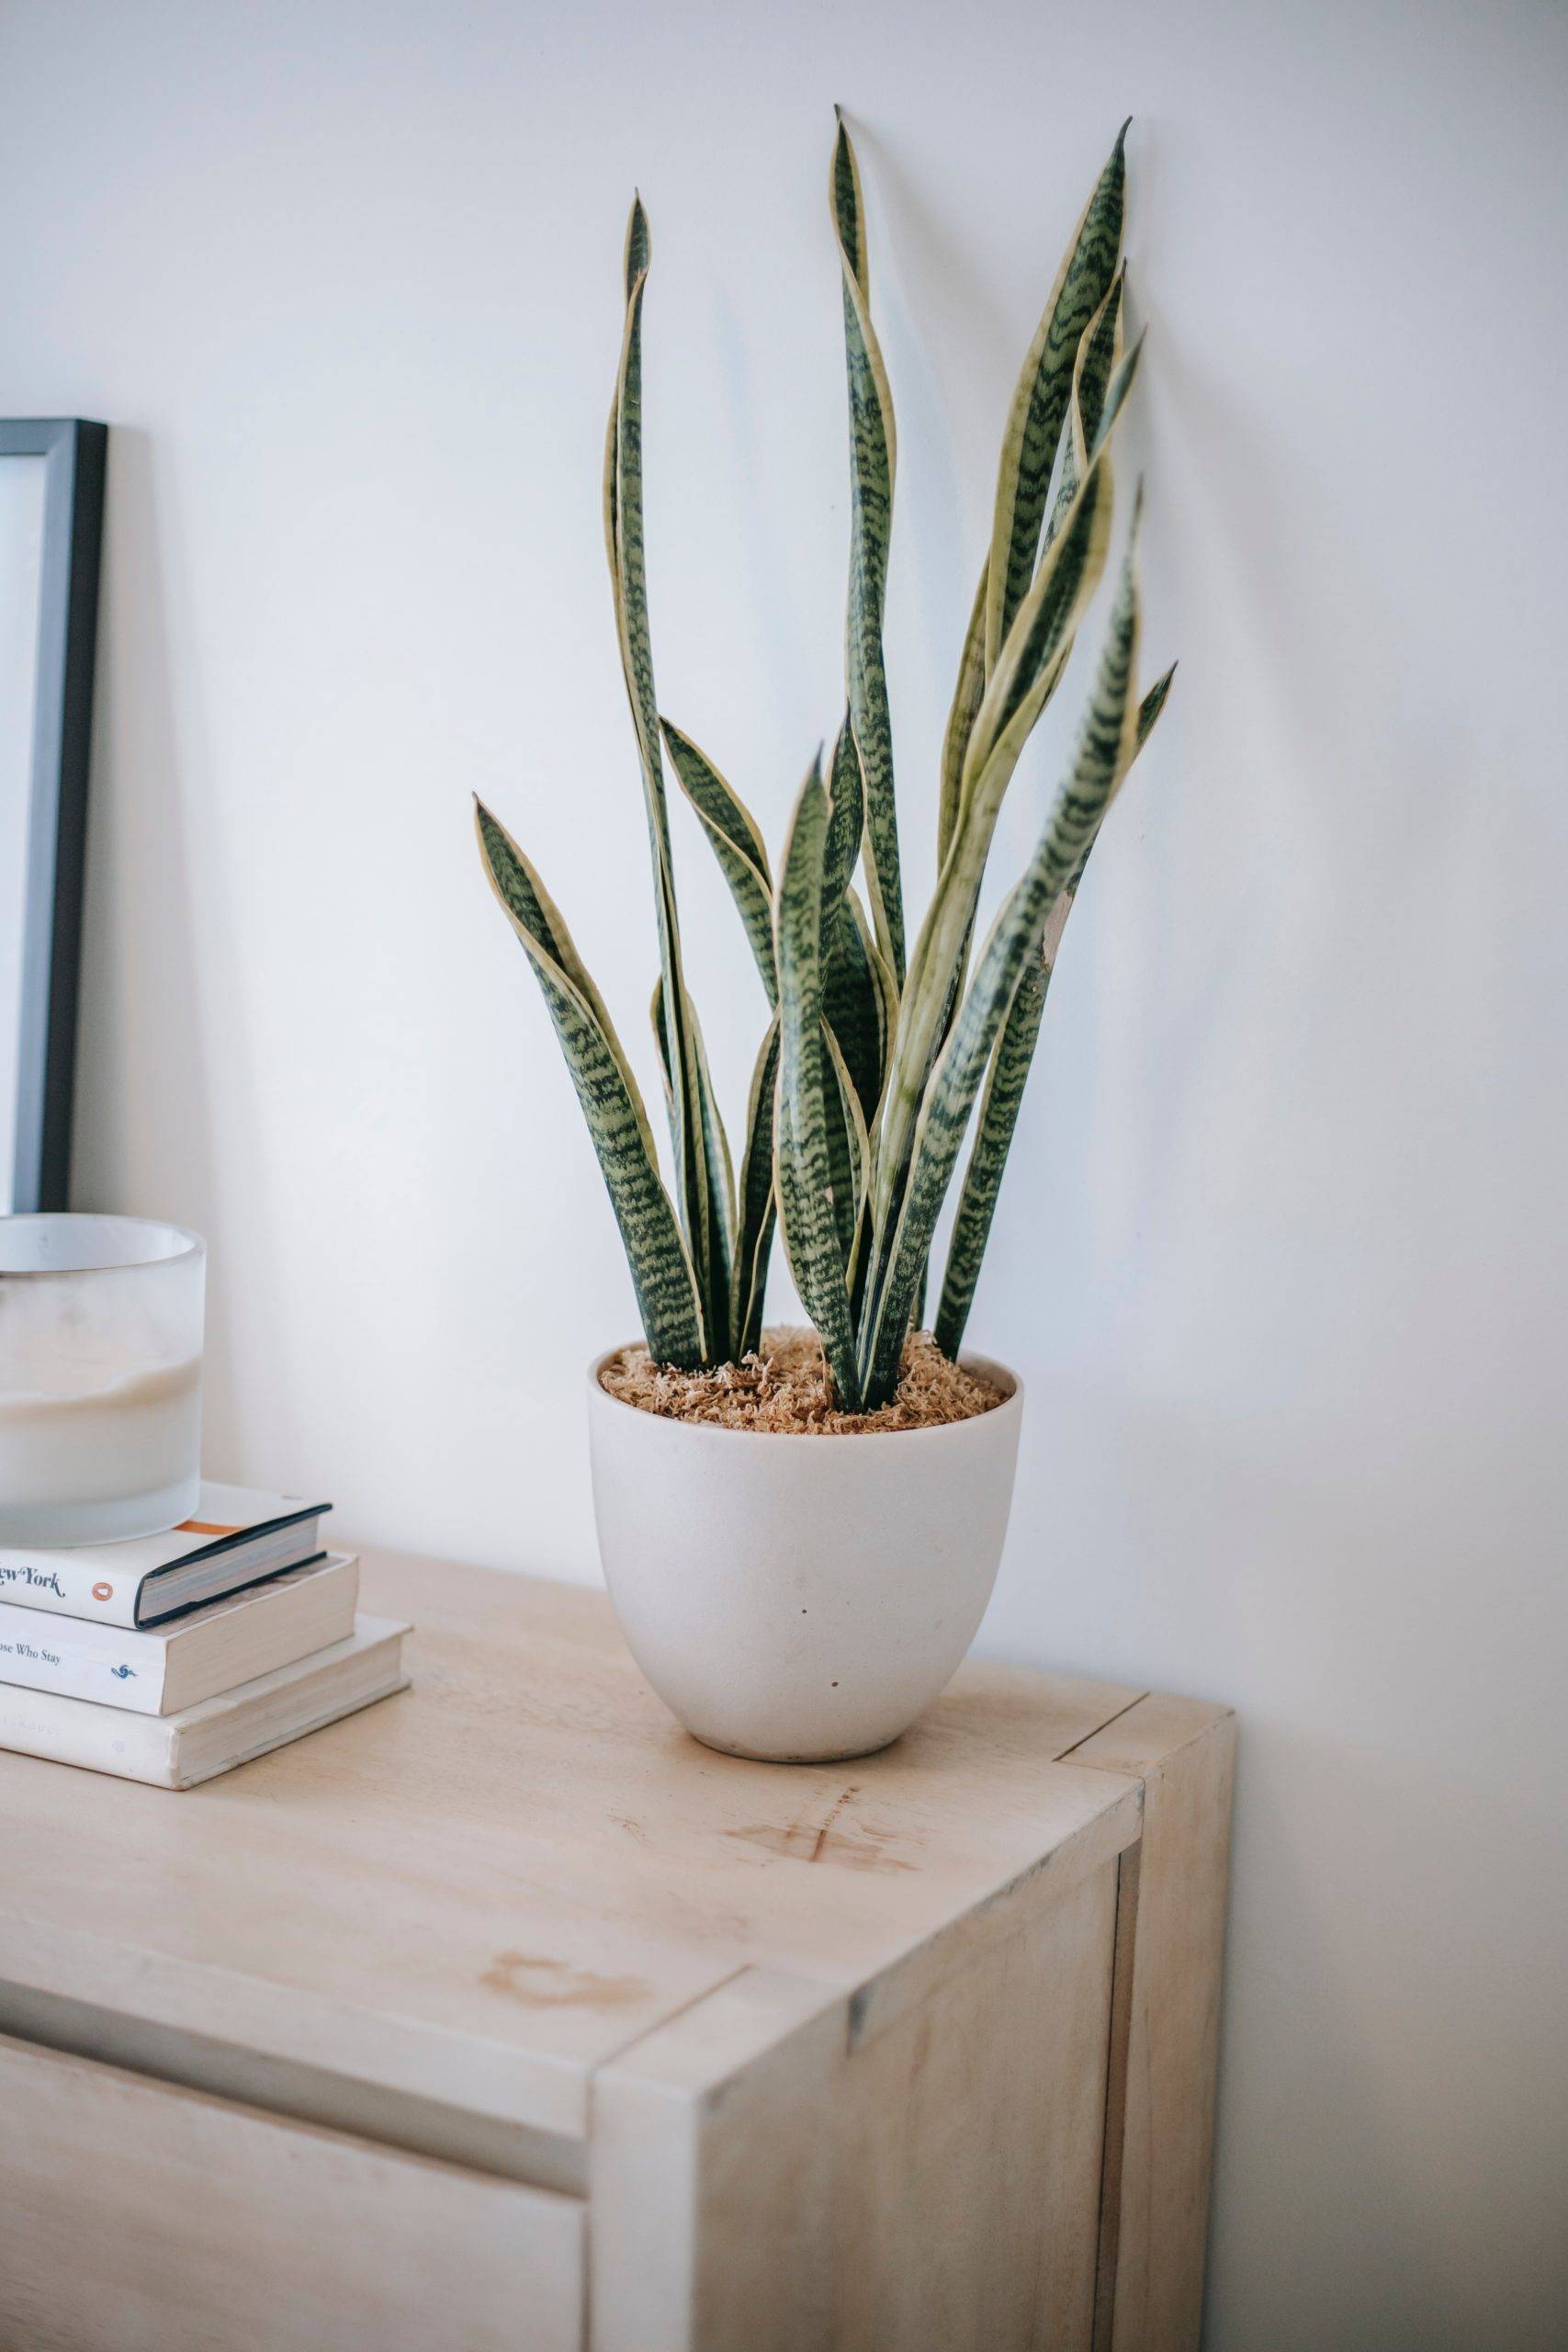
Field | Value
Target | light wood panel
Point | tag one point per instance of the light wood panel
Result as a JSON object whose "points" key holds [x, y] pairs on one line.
{"points": [[967, 2203], [1183, 1752], [137, 2217], [712, 2176], [767, 2176]]}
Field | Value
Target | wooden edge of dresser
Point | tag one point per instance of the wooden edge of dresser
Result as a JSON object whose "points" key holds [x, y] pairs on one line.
{"points": [[1159, 2129], [1144, 1735], [16, 2048], [1115, 1825], [710, 2172], [408, 2122], [312, 2031]]}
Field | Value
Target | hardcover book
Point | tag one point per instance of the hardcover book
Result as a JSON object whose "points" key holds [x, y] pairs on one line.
{"points": [[235, 1537], [176, 1751], [161, 1669]]}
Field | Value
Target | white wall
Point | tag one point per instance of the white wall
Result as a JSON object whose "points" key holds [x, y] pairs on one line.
{"points": [[1281, 1254]]}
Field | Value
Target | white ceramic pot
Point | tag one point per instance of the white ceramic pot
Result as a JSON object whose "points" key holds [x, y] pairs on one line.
{"points": [[800, 1598]]}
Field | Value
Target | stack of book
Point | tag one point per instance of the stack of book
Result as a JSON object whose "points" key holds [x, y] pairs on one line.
{"points": [[176, 1656]]}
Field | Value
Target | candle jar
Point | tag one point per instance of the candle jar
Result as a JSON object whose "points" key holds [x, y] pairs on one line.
{"points": [[100, 1378]]}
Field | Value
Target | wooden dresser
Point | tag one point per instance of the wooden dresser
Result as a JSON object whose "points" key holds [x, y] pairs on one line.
{"points": [[504, 2014]]}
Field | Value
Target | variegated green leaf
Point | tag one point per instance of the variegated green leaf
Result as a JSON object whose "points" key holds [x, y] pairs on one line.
{"points": [[720, 1305], [1105, 748], [1043, 628], [1100, 350], [1153, 702], [803, 1174], [758, 1204], [1017, 692], [993, 1137], [1004, 1090], [846, 1160], [846, 811], [1098, 361], [873, 462], [701, 1215], [662, 1271], [851, 972], [846, 825], [1100, 384], [737, 844], [1040, 402], [967, 700], [855, 985], [849, 1151]]}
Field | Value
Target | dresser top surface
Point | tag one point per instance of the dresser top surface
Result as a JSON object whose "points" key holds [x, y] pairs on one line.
{"points": [[484, 1887]]}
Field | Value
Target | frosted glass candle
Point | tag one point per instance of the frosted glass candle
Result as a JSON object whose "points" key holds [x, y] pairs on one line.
{"points": [[100, 1377]]}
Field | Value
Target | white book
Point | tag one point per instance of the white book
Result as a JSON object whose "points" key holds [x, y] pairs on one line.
{"points": [[176, 1751], [234, 1536], [164, 1668]]}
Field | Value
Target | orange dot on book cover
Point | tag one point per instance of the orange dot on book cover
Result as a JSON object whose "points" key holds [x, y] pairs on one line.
{"points": [[103, 1592]]}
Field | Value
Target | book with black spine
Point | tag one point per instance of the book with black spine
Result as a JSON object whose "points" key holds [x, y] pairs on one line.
{"points": [[233, 1537]]}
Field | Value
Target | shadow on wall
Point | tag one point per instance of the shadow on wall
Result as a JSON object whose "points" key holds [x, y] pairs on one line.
{"points": [[1394, 1919], [144, 872]]}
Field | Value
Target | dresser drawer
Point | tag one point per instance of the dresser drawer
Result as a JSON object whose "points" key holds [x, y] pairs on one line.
{"points": [[139, 2217]]}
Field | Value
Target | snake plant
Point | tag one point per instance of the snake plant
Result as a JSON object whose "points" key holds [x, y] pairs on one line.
{"points": [[875, 1051]]}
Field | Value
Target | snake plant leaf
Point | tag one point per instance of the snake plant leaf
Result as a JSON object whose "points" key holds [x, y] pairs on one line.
{"points": [[1023, 682], [663, 1275], [715, 1154], [1004, 1083], [1100, 350], [855, 984], [736, 843], [803, 1175], [1153, 702], [1037, 652], [887, 987], [849, 1152], [842, 1192], [757, 1204], [993, 1137], [720, 1176], [848, 995], [1069, 572], [846, 825], [966, 699], [1040, 402], [1100, 384], [851, 999], [1106, 745], [873, 463], [854, 979], [701, 1215], [1099, 360]]}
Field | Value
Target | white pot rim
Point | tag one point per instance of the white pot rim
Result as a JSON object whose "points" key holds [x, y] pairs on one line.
{"points": [[1001, 1375]]}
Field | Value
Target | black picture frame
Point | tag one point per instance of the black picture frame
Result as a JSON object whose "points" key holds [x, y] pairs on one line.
{"points": [[74, 451]]}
